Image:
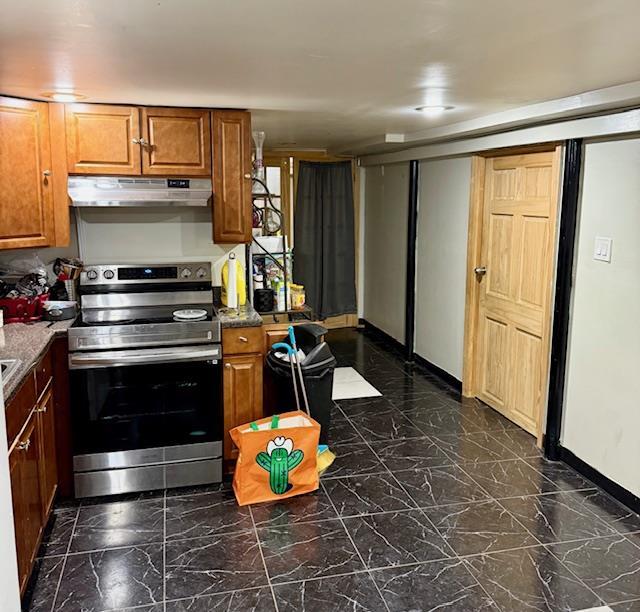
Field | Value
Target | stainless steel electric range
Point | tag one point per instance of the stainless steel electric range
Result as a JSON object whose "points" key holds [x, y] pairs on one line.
{"points": [[146, 379]]}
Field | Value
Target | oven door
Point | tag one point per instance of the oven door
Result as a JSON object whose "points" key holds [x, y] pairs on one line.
{"points": [[145, 406]]}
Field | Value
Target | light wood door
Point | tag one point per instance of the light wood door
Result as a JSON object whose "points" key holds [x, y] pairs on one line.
{"points": [[47, 449], [103, 139], [25, 490], [242, 379], [514, 311], [177, 141], [26, 197], [232, 206]]}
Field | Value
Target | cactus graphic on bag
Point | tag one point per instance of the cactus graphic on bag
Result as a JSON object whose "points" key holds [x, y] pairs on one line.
{"points": [[279, 460]]}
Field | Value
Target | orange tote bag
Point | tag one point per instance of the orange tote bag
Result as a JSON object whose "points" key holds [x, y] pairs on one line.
{"points": [[278, 458]]}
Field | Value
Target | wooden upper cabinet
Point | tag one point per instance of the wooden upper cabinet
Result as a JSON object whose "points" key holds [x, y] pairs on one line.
{"points": [[232, 207], [26, 199], [177, 141], [103, 139]]}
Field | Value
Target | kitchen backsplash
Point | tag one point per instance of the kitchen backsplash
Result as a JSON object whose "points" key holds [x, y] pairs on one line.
{"points": [[127, 235]]}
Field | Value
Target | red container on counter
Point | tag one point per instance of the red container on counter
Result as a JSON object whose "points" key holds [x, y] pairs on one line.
{"points": [[23, 309]]}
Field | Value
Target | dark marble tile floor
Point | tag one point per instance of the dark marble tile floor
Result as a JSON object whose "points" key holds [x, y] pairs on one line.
{"points": [[434, 503]]}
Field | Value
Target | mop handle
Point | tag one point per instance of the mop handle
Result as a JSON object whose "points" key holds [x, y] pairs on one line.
{"points": [[292, 339], [289, 351]]}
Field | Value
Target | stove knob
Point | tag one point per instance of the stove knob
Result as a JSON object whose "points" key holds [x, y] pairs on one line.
{"points": [[201, 273], [92, 274], [108, 274], [186, 273]]}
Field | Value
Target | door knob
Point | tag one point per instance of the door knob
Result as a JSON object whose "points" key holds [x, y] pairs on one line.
{"points": [[24, 446], [135, 140], [480, 270]]}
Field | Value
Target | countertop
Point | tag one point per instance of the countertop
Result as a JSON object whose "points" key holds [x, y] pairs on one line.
{"points": [[243, 316], [27, 343]]}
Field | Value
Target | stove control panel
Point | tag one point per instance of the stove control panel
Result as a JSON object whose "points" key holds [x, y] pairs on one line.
{"points": [[114, 274]]}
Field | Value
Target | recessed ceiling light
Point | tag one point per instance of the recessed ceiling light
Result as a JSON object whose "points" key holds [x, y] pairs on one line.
{"points": [[434, 109], [63, 96]]}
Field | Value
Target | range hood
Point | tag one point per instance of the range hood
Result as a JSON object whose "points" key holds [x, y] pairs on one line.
{"points": [[95, 191]]}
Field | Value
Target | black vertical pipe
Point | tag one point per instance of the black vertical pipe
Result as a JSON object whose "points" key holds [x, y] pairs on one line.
{"points": [[564, 282], [412, 229]]}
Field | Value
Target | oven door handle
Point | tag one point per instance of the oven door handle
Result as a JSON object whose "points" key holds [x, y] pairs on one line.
{"points": [[111, 359]]}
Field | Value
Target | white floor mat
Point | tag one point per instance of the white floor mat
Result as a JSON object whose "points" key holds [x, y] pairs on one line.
{"points": [[349, 384]]}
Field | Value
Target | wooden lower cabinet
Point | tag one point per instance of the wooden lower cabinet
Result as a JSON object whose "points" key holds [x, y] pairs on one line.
{"points": [[24, 461], [32, 464], [48, 468], [242, 380]]}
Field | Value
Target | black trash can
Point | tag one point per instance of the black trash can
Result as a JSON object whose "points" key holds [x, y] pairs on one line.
{"points": [[317, 371]]}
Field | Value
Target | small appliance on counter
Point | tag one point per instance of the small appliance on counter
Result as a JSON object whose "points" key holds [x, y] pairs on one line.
{"points": [[263, 300], [146, 379]]}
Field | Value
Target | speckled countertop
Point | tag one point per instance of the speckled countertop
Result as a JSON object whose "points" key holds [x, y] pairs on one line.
{"points": [[27, 343], [243, 316]]}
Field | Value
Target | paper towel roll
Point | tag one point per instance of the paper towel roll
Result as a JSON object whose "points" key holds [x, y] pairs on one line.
{"points": [[232, 284]]}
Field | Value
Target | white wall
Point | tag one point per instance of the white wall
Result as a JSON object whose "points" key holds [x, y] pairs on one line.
{"points": [[385, 245], [9, 588], [443, 220], [602, 405], [151, 235]]}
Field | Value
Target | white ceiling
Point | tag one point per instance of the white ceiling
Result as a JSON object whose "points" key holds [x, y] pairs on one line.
{"points": [[334, 74]]}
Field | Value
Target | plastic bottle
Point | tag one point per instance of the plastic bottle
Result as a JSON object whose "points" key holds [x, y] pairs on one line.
{"points": [[281, 301]]}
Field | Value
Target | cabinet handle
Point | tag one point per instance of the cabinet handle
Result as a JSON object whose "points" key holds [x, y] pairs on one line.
{"points": [[136, 141], [42, 410], [24, 446], [46, 172], [227, 365], [145, 143], [243, 339], [247, 176]]}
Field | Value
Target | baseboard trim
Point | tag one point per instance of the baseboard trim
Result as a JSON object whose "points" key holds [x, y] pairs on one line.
{"points": [[616, 491], [450, 379], [383, 335]]}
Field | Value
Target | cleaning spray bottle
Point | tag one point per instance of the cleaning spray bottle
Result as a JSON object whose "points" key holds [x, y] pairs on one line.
{"points": [[234, 289]]}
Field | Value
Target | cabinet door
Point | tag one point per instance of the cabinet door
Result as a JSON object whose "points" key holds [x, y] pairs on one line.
{"points": [[242, 395], [25, 488], [20, 514], [47, 448], [26, 200], [232, 208], [103, 139], [177, 142]]}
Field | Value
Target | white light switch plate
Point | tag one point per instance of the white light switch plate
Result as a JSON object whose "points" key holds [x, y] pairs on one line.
{"points": [[602, 249]]}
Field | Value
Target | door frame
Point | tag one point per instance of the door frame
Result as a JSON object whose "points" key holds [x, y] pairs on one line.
{"points": [[474, 251]]}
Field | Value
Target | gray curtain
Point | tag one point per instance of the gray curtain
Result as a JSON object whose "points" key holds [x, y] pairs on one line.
{"points": [[324, 247]]}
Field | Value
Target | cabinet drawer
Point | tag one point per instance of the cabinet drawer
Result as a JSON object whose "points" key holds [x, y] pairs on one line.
{"points": [[239, 340], [44, 372], [19, 408]]}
